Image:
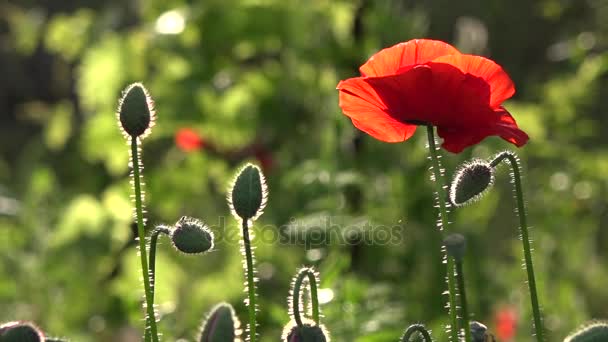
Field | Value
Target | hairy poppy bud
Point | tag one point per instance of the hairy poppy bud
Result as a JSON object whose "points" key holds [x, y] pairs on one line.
{"points": [[248, 195], [471, 182], [479, 333], [221, 325], [455, 244], [136, 111], [20, 332], [594, 332], [308, 332], [191, 236]]}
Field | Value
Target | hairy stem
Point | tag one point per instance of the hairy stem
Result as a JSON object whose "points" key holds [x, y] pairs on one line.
{"points": [[312, 283], [250, 282], [525, 237], [463, 301], [150, 316], [412, 329], [152, 264], [440, 193]]}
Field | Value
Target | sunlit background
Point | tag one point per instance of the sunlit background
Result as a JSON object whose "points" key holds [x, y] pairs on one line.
{"points": [[254, 80]]}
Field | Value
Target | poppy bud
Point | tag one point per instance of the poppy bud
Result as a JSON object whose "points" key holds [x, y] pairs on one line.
{"points": [[594, 332], [455, 244], [308, 332], [471, 182], [248, 195], [479, 332], [20, 332], [191, 236], [221, 325], [136, 111]]}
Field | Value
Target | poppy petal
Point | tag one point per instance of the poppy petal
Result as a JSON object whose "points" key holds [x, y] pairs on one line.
{"points": [[501, 85], [368, 112], [502, 124], [418, 51]]}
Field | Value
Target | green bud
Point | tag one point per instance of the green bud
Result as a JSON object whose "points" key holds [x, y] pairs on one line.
{"points": [[248, 195], [20, 332], [191, 236], [221, 325], [455, 244], [480, 333], [136, 111], [593, 332], [471, 182], [308, 332]]}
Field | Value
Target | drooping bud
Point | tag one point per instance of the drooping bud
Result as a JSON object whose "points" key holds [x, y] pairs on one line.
{"points": [[191, 236], [593, 332], [221, 325], [471, 182], [455, 244], [248, 195], [20, 332], [480, 333], [308, 332], [136, 111]]}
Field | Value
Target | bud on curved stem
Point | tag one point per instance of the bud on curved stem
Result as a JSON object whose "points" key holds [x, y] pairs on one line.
{"points": [[221, 325], [594, 332], [471, 182], [416, 328], [525, 237], [479, 333]]}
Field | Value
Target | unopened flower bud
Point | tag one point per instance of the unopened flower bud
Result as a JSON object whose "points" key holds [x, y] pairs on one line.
{"points": [[191, 236], [221, 325], [136, 111], [247, 197], [308, 332], [471, 182], [20, 332], [594, 332]]}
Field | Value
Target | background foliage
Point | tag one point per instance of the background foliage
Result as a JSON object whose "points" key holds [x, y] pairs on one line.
{"points": [[256, 79]]}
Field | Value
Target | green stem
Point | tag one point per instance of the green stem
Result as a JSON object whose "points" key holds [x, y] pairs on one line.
{"points": [[312, 283], [150, 317], [416, 328], [152, 264], [439, 182], [250, 282], [525, 237], [463, 301]]}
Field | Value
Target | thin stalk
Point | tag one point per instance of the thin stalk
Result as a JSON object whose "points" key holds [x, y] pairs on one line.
{"points": [[439, 182], [463, 301], [314, 299], [250, 282], [152, 264], [525, 237], [150, 316], [416, 328]]}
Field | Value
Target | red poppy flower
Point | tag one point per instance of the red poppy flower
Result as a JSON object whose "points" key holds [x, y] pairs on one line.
{"points": [[188, 140], [426, 81], [506, 324]]}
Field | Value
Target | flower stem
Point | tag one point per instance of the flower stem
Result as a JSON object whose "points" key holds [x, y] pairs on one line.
{"points": [[525, 237], [152, 264], [416, 328], [463, 301], [312, 283], [250, 282], [150, 316], [440, 193]]}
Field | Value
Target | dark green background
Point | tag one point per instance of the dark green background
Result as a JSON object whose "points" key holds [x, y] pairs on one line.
{"points": [[263, 73]]}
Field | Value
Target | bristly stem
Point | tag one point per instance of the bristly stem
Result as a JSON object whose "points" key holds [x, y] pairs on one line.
{"points": [[150, 316], [250, 281], [314, 298], [463, 301], [161, 229], [525, 236], [440, 193], [416, 328]]}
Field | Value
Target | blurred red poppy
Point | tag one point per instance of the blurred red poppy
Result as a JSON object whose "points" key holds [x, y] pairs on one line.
{"points": [[506, 324], [429, 82], [188, 140]]}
